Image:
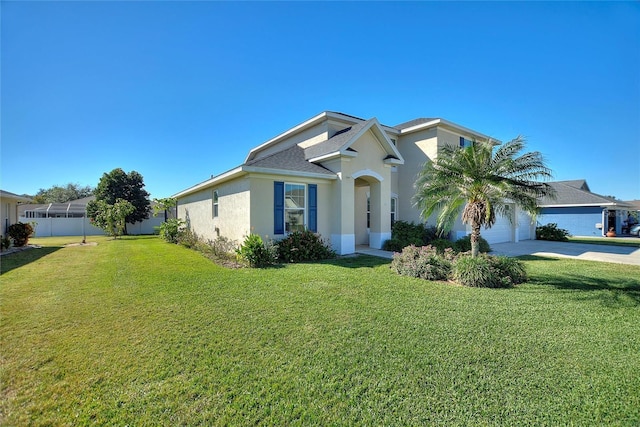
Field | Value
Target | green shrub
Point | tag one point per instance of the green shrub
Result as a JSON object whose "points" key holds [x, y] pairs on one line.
{"points": [[552, 232], [508, 268], [257, 253], [5, 242], [474, 272], [170, 229], [393, 245], [221, 246], [487, 271], [423, 262], [188, 239], [464, 245], [442, 244], [405, 233], [302, 246], [20, 233]]}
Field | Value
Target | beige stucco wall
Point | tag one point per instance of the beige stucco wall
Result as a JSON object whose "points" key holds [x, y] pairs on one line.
{"points": [[366, 167], [233, 210], [416, 148], [9, 213], [305, 138], [262, 203]]}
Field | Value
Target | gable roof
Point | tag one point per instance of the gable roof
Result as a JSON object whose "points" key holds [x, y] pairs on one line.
{"points": [[9, 195], [577, 183], [333, 144], [573, 194], [414, 122], [340, 143], [291, 159]]}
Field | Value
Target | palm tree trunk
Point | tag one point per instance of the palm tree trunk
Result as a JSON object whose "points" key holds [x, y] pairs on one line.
{"points": [[475, 239]]}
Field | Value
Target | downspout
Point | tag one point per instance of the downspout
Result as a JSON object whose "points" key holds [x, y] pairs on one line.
{"points": [[605, 221]]}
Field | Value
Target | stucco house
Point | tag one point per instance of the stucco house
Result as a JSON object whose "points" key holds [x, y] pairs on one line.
{"points": [[582, 212], [344, 177], [9, 208]]}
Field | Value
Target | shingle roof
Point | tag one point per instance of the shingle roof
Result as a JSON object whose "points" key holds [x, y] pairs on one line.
{"points": [[291, 159], [9, 195], [335, 143], [577, 183], [567, 193], [414, 122]]}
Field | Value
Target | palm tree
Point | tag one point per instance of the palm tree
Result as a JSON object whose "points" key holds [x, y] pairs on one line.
{"points": [[481, 180]]}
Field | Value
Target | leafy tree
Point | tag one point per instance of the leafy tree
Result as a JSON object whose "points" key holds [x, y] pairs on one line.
{"points": [[62, 194], [126, 186], [165, 206], [481, 180], [112, 218]]}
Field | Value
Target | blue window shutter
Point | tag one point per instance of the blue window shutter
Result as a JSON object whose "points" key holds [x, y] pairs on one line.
{"points": [[461, 142], [313, 208], [278, 207]]}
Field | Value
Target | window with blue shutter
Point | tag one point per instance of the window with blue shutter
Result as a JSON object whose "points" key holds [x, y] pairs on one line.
{"points": [[278, 207]]}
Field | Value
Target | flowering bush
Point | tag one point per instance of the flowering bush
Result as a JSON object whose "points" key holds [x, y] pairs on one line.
{"points": [[20, 233], [302, 246]]}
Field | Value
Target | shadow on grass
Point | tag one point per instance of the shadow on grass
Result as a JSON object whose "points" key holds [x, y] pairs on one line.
{"points": [[613, 292], [18, 259], [358, 261]]}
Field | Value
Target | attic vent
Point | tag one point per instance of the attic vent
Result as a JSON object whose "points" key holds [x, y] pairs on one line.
{"points": [[342, 131]]}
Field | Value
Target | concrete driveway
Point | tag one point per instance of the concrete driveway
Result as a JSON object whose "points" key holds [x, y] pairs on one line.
{"points": [[604, 253]]}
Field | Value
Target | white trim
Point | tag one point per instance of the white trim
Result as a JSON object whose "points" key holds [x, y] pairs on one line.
{"points": [[284, 172], [302, 126], [582, 205], [367, 172], [233, 173], [343, 244], [376, 128], [376, 240], [443, 122], [333, 155], [243, 170], [305, 220]]}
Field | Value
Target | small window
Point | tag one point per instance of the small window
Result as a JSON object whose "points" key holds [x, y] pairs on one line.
{"points": [[215, 203], [465, 143], [393, 141], [394, 209]]}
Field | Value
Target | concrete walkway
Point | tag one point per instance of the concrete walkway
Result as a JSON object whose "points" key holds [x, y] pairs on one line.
{"points": [[584, 251]]}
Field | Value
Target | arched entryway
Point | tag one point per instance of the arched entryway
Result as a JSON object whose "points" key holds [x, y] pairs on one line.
{"points": [[372, 210]]}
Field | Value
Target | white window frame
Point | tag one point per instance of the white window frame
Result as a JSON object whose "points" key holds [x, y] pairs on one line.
{"points": [[304, 209], [393, 207], [215, 203]]}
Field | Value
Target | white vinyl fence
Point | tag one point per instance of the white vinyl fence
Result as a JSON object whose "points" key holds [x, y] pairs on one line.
{"points": [[47, 227]]}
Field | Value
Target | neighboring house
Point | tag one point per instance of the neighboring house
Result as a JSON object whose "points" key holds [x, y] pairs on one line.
{"points": [[581, 212], [341, 176], [9, 208], [69, 219]]}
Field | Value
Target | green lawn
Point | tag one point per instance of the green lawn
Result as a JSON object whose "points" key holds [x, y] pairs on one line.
{"points": [[140, 332], [611, 241]]}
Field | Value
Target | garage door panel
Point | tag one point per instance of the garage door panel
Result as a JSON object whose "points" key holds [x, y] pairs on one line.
{"points": [[499, 233]]}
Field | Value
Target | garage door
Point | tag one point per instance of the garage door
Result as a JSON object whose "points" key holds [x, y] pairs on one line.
{"points": [[524, 226], [499, 233]]}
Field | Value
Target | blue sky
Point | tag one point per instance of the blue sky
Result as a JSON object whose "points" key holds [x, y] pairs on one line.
{"points": [[179, 91]]}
